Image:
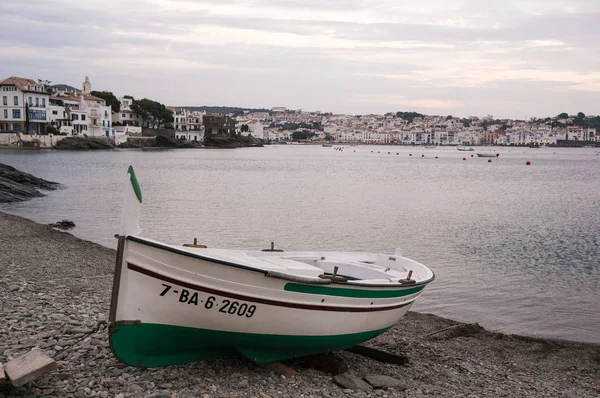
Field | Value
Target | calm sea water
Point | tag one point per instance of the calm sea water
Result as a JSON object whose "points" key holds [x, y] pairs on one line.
{"points": [[514, 247]]}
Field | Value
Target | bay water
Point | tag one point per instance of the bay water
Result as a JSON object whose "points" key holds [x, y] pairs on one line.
{"points": [[514, 247]]}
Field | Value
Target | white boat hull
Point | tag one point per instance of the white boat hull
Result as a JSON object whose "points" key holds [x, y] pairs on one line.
{"points": [[174, 306]]}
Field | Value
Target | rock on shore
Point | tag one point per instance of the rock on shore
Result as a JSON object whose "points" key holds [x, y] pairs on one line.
{"points": [[83, 143], [17, 186], [55, 289]]}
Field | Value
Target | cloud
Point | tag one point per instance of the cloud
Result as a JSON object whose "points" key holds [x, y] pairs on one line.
{"points": [[342, 55], [434, 104]]}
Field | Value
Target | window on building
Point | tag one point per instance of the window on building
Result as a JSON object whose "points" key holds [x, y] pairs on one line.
{"points": [[16, 100], [105, 113], [16, 127], [55, 112], [6, 113], [16, 113], [108, 123], [82, 117], [4, 100], [44, 102], [30, 101], [103, 123], [123, 115], [37, 101]]}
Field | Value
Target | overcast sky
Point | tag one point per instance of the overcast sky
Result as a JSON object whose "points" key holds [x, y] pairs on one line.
{"points": [[510, 58]]}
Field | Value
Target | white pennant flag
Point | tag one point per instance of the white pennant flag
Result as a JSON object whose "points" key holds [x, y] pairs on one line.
{"points": [[132, 206]]}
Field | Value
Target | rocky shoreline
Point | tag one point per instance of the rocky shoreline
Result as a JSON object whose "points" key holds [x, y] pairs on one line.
{"points": [[55, 292], [17, 186], [94, 143]]}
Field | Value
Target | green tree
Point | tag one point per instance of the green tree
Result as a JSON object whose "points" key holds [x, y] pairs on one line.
{"points": [[581, 115], [109, 98], [563, 115], [52, 130], [302, 135], [408, 116], [154, 114]]}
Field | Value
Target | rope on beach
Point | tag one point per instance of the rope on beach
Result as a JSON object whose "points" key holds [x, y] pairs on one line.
{"points": [[94, 330]]}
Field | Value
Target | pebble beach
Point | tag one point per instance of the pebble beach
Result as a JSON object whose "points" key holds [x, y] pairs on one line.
{"points": [[55, 296]]}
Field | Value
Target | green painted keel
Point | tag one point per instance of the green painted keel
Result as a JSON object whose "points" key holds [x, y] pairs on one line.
{"points": [[150, 345]]}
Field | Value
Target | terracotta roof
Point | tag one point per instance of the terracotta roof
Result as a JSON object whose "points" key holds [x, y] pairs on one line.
{"points": [[21, 83]]}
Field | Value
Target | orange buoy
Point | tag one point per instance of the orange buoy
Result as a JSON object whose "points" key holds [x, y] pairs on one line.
{"points": [[528, 163]]}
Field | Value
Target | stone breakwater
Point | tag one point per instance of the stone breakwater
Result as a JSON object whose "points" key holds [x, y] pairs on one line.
{"points": [[55, 288]]}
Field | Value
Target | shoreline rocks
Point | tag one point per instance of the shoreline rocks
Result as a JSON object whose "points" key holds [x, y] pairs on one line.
{"points": [[158, 142], [18, 186], [83, 144]]}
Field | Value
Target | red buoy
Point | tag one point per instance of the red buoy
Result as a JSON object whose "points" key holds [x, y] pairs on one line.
{"points": [[397, 153], [388, 153], [436, 157], [410, 154], [528, 163], [489, 160], [464, 158], [422, 156], [471, 155]]}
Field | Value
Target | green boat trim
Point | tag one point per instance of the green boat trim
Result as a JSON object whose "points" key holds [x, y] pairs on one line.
{"points": [[323, 306], [151, 345], [353, 293]]}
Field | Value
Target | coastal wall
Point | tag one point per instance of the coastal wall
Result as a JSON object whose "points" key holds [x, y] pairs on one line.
{"points": [[45, 141], [8, 138]]}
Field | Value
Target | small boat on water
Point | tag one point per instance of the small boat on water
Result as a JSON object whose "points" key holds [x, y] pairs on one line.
{"points": [[328, 145], [175, 304], [487, 155], [430, 146], [464, 148]]}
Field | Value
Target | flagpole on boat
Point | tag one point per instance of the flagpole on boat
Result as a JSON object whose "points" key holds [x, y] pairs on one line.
{"points": [[129, 226]]}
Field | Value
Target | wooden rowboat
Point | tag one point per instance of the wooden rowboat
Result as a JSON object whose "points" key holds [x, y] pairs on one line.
{"points": [[174, 304]]}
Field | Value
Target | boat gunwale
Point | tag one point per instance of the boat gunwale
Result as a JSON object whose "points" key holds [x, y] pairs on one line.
{"points": [[278, 303], [356, 283]]}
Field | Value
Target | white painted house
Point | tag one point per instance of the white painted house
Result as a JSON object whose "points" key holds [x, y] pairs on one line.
{"points": [[19, 95]]}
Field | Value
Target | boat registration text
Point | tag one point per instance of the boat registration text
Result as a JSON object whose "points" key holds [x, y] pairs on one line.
{"points": [[210, 303]]}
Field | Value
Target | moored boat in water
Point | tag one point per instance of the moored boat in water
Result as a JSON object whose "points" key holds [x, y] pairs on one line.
{"points": [[174, 304], [487, 155], [464, 148]]}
